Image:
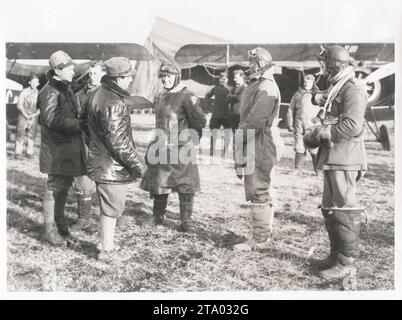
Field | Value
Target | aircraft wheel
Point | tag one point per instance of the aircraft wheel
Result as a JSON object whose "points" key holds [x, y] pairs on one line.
{"points": [[385, 138]]}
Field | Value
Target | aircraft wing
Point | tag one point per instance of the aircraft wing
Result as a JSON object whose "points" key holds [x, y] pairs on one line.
{"points": [[83, 51], [13, 85], [18, 51], [294, 56]]}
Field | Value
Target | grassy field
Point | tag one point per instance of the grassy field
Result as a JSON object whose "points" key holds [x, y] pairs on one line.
{"points": [[165, 260]]}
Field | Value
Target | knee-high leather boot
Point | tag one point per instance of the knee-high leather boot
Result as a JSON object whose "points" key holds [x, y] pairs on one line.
{"points": [[51, 234], [60, 199], [84, 204], [330, 260], [159, 209], [347, 228], [186, 210]]}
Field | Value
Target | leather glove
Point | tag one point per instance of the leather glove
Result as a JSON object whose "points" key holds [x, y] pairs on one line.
{"points": [[325, 135], [318, 135], [312, 139]]}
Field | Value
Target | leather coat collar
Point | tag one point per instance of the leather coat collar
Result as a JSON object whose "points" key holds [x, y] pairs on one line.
{"points": [[111, 85], [59, 85]]}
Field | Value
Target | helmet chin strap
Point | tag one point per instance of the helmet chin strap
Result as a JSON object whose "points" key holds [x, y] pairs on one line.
{"points": [[260, 71], [168, 89]]}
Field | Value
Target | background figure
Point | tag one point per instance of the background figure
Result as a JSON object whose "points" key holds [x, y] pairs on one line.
{"points": [[299, 119], [342, 156], [220, 115], [62, 152], [234, 99], [176, 109], [259, 112], [27, 119], [83, 185], [113, 160]]}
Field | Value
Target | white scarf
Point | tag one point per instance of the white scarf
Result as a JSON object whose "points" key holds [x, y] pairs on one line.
{"points": [[337, 83]]}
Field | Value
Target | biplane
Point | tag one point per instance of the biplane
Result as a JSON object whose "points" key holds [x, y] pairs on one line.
{"points": [[374, 66]]}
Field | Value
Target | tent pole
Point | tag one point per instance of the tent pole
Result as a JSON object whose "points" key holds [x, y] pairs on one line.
{"points": [[299, 78], [227, 59]]}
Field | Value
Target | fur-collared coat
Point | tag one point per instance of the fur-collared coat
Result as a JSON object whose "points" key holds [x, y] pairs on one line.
{"points": [[112, 155], [62, 146]]}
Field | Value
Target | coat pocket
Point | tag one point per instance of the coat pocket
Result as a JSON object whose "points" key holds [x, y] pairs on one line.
{"points": [[345, 153]]}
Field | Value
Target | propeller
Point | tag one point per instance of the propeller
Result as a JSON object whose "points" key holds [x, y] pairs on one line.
{"points": [[380, 73]]}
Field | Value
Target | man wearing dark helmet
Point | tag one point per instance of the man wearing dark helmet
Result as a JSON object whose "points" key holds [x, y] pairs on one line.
{"points": [[342, 156], [179, 121]]}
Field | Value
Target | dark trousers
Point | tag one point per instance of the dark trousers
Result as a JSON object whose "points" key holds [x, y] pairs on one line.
{"points": [[215, 124], [186, 204], [235, 118]]}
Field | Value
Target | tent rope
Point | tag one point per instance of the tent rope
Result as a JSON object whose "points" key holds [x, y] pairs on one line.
{"points": [[209, 73]]}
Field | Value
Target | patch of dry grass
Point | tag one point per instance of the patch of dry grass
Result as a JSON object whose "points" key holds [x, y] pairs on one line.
{"points": [[165, 260]]}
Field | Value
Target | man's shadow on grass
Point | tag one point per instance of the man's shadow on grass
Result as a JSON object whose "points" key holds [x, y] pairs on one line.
{"points": [[140, 212], [30, 195], [383, 173]]}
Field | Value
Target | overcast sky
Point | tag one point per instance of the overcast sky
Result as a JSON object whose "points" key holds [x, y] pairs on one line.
{"points": [[235, 20]]}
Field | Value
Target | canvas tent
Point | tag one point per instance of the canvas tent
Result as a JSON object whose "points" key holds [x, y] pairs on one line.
{"points": [[25, 59], [163, 42]]}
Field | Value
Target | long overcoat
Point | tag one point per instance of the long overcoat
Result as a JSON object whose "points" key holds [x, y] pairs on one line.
{"points": [[171, 157], [62, 145], [260, 111]]}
